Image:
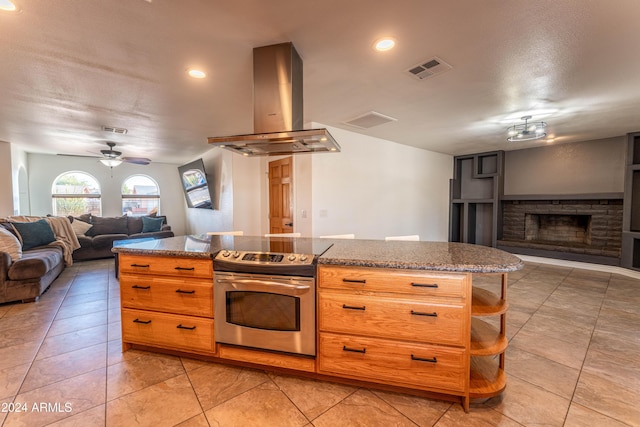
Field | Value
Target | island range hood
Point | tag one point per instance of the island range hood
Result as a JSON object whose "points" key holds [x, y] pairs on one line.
{"points": [[277, 109]]}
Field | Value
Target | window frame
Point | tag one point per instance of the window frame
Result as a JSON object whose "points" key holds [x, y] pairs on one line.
{"points": [[140, 196], [55, 195]]}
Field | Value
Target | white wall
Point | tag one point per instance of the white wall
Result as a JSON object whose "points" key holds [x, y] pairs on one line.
{"points": [[376, 188], [43, 169], [247, 195], [218, 167], [373, 188], [236, 187], [6, 172], [596, 166], [20, 179]]}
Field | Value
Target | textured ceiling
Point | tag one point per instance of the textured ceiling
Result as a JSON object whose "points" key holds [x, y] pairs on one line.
{"points": [[67, 68]]}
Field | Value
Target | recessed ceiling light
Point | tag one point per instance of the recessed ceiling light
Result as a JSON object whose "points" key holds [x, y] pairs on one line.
{"points": [[196, 74], [8, 6], [384, 44]]}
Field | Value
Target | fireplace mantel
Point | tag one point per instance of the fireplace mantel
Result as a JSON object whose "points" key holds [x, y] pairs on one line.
{"points": [[581, 196]]}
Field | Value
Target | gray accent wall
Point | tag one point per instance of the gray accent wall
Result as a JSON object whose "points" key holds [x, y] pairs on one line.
{"points": [[595, 166]]}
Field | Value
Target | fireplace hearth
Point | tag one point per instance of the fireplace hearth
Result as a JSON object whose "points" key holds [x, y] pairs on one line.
{"points": [[581, 230]]}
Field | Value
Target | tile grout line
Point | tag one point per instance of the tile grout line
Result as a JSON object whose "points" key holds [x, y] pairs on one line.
{"points": [[32, 361]]}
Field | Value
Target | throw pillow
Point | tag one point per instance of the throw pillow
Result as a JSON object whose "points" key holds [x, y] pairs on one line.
{"points": [[108, 225], [33, 234], [80, 227], [151, 225], [10, 244]]}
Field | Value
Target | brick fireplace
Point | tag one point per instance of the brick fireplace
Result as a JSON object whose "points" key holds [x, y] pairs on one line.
{"points": [[580, 230]]}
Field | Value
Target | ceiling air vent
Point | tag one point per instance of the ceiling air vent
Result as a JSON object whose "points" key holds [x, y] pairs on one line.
{"points": [[119, 131], [429, 68], [369, 120]]}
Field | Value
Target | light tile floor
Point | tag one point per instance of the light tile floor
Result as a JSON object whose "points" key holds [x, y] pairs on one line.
{"points": [[573, 360]]}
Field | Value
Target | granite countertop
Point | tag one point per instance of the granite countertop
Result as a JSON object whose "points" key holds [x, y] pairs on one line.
{"points": [[439, 256], [195, 246]]}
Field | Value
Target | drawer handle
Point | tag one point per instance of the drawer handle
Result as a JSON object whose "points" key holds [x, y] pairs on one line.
{"points": [[141, 287], [363, 281], [420, 313], [140, 265], [180, 291], [423, 359], [350, 307], [425, 285], [144, 322], [185, 268], [354, 350], [191, 328]]}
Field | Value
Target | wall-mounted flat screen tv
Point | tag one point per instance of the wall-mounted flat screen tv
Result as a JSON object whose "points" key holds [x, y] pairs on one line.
{"points": [[196, 186]]}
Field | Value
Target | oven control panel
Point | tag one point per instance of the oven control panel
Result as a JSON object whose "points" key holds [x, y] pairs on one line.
{"points": [[264, 258]]}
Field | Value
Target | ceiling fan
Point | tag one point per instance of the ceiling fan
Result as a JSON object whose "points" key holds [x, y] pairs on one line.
{"points": [[112, 157]]}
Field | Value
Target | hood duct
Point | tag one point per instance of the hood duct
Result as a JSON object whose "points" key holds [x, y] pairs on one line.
{"points": [[277, 109]]}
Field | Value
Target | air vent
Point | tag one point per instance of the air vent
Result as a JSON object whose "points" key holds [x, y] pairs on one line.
{"points": [[119, 131], [369, 120], [429, 68]]}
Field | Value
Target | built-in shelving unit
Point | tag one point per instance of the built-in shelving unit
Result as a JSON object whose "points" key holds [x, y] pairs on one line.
{"points": [[475, 193], [631, 213], [488, 342]]}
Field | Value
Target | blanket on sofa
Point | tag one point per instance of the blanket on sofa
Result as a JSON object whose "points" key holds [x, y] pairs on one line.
{"points": [[65, 236]]}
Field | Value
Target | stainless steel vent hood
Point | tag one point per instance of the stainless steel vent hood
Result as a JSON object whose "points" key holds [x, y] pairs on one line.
{"points": [[277, 109]]}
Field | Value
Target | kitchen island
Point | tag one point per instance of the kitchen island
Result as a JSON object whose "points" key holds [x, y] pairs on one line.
{"points": [[395, 315]]}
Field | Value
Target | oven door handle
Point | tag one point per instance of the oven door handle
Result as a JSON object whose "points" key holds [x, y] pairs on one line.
{"points": [[293, 287]]}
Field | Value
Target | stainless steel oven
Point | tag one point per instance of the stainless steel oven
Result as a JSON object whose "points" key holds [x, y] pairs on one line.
{"points": [[266, 311], [265, 293]]}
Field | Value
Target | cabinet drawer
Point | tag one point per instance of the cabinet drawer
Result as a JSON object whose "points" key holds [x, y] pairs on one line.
{"points": [[172, 266], [167, 330], [391, 362], [394, 318], [394, 280], [168, 294]]}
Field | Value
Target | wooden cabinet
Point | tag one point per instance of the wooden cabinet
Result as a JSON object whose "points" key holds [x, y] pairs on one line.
{"points": [[167, 302], [422, 330], [399, 327]]}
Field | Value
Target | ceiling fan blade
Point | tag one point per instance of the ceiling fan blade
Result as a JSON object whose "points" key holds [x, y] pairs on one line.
{"points": [[79, 155], [137, 160]]}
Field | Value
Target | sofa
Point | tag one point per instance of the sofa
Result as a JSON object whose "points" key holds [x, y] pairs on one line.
{"points": [[27, 278], [30, 263], [97, 240]]}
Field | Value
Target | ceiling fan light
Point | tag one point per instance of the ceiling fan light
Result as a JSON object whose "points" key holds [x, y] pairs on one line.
{"points": [[111, 162]]}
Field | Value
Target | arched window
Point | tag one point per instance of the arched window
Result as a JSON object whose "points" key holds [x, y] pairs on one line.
{"points": [[140, 196], [76, 193]]}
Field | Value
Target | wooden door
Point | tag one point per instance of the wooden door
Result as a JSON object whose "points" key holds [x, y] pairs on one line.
{"points": [[281, 196]]}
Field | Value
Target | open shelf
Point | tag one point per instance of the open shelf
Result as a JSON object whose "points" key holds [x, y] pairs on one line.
{"points": [[475, 192], [486, 303], [630, 256], [487, 378], [486, 340]]}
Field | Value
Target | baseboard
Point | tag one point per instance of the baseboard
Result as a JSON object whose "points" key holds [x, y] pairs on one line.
{"points": [[582, 265]]}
